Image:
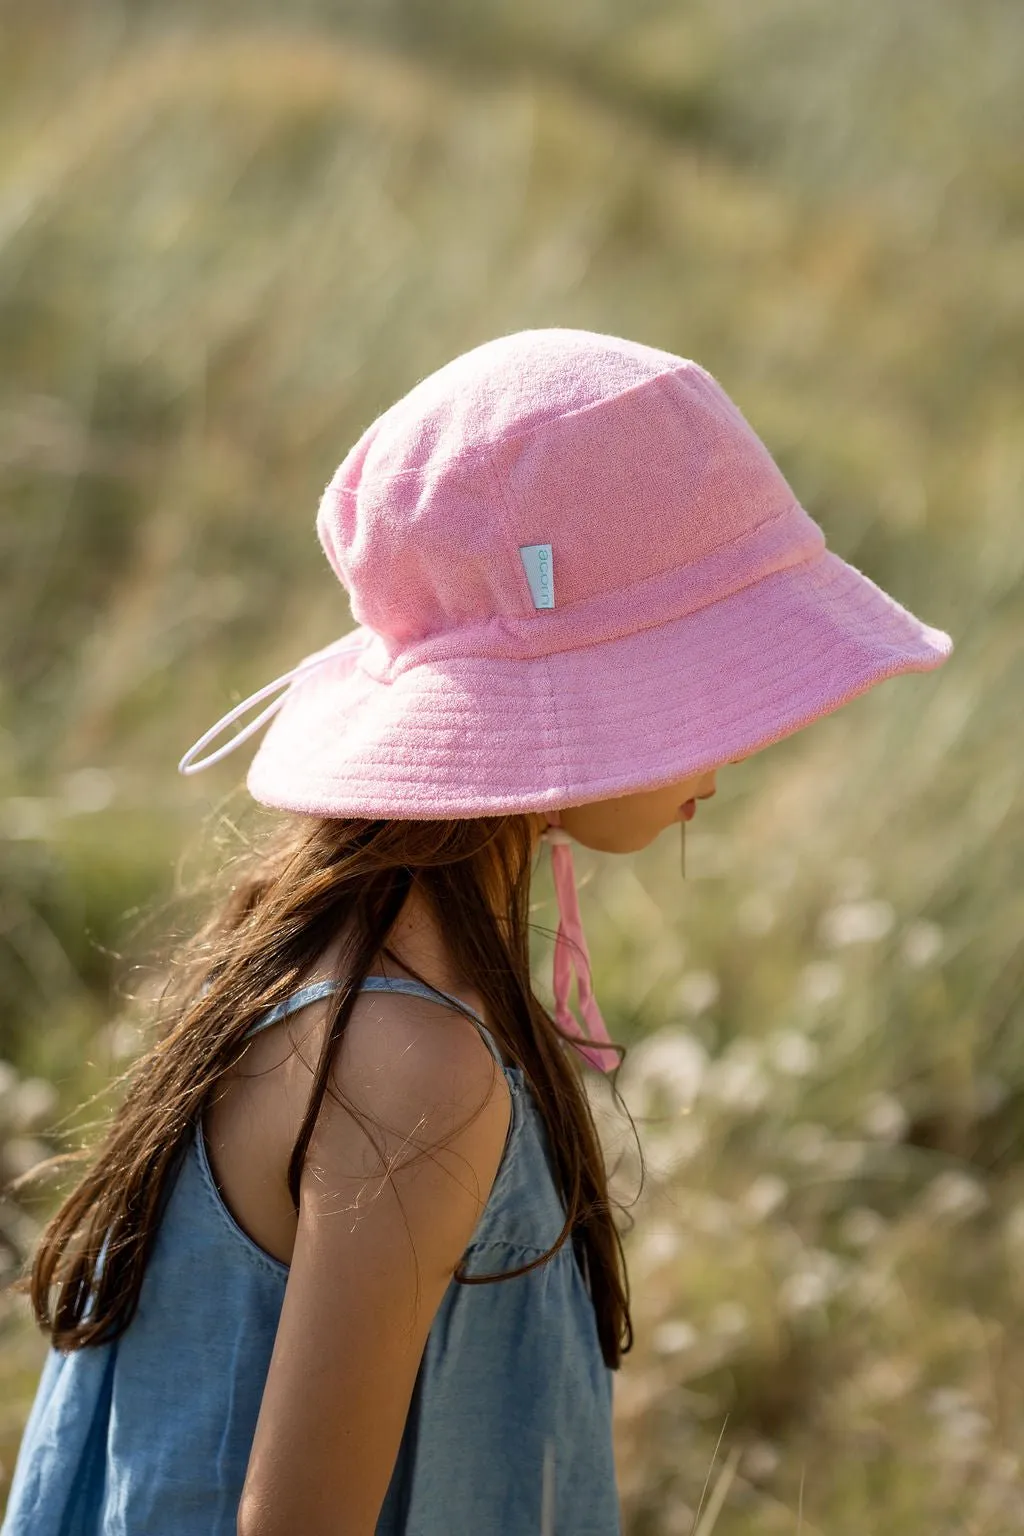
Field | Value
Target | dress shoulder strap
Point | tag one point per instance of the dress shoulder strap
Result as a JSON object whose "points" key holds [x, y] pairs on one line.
{"points": [[300, 999], [320, 989]]}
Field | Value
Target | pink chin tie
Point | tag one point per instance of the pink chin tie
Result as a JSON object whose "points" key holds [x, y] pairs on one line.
{"points": [[571, 951]]}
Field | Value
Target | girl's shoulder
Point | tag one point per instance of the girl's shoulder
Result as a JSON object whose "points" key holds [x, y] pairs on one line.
{"points": [[416, 1061], [403, 1059]]}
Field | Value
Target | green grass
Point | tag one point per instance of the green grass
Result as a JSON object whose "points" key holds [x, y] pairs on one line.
{"points": [[224, 247]]}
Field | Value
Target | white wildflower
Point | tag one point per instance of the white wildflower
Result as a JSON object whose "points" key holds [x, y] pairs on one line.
{"points": [[122, 1039], [792, 1053], [639, 1390], [668, 1065], [24, 818], [1006, 1466], [857, 922], [861, 1227], [87, 790], [737, 1078], [990, 1093], [886, 1380], [818, 1277], [760, 1460], [883, 1117], [668, 1147], [713, 1217], [680, 1518], [820, 982], [943, 1401], [801, 1290], [874, 1288], [697, 992], [32, 1101], [921, 944], [8, 1081], [764, 1196], [1013, 1229], [786, 1246], [659, 1246], [756, 913], [827, 1264], [729, 1320], [963, 1430], [22, 1229], [842, 1159], [21, 1154], [674, 1336], [954, 1196], [805, 1142]]}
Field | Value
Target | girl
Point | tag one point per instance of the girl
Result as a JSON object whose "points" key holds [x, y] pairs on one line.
{"points": [[345, 1262]]}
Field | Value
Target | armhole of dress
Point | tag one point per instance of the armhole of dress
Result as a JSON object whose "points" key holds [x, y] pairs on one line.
{"points": [[300, 999]]}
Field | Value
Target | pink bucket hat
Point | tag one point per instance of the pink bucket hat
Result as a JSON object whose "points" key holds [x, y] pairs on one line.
{"points": [[576, 572]]}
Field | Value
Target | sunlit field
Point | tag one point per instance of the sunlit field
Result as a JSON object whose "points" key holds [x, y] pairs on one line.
{"points": [[225, 246]]}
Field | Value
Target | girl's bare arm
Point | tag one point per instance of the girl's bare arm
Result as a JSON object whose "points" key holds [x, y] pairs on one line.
{"points": [[372, 1259]]}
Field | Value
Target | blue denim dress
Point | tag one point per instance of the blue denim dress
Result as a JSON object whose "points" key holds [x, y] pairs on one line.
{"points": [[509, 1428]]}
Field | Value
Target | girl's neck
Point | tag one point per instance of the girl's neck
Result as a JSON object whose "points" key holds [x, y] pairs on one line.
{"points": [[418, 941], [418, 946]]}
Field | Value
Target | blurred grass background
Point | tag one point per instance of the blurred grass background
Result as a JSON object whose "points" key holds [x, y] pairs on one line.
{"points": [[228, 239]]}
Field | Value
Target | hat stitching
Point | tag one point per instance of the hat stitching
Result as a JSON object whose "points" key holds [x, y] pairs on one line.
{"points": [[656, 598], [511, 538], [751, 698], [472, 451]]}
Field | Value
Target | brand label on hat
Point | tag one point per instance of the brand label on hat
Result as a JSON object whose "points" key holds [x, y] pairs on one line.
{"points": [[536, 560]]}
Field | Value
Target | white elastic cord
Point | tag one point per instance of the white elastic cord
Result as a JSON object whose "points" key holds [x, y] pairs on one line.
{"points": [[310, 664]]}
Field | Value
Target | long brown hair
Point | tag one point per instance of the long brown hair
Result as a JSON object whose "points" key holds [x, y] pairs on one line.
{"points": [[284, 903]]}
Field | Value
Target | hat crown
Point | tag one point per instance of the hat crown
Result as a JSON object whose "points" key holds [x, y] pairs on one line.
{"points": [[631, 463]]}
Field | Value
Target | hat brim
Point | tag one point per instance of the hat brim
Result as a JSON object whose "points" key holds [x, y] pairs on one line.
{"points": [[487, 736]]}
